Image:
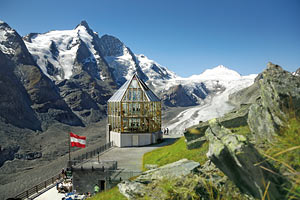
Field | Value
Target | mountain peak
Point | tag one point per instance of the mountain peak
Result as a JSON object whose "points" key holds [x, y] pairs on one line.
{"points": [[84, 24], [219, 72]]}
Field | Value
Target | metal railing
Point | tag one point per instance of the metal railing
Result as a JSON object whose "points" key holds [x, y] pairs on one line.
{"points": [[91, 154], [37, 188]]}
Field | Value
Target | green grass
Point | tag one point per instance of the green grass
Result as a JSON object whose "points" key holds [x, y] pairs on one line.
{"points": [[242, 130], [175, 152], [284, 153], [109, 195]]}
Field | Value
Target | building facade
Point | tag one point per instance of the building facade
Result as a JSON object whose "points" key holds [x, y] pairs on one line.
{"points": [[134, 115]]}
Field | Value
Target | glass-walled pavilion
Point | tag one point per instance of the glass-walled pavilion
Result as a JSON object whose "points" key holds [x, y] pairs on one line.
{"points": [[134, 108]]}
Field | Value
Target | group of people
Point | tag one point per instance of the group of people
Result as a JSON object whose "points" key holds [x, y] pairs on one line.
{"points": [[166, 131], [66, 185]]}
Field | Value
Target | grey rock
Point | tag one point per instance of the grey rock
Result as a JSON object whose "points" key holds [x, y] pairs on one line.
{"points": [[242, 163], [132, 189], [195, 135], [247, 95], [182, 167], [151, 166], [279, 93], [142, 185]]}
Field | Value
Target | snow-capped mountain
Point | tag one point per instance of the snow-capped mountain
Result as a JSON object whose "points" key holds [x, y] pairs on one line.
{"points": [[61, 54], [218, 73], [87, 67], [198, 87], [125, 63], [34, 97]]}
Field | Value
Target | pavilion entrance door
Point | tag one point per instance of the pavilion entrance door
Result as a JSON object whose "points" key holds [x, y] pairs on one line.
{"points": [[135, 140]]}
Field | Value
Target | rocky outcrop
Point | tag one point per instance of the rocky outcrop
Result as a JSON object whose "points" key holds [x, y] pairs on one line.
{"points": [[279, 97], [183, 179], [241, 162], [140, 187], [195, 136]]}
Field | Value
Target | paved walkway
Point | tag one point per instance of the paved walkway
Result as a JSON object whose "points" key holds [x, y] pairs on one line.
{"points": [[131, 158], [51, 194]]}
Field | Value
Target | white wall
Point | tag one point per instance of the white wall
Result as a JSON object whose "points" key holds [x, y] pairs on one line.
{"points": [[134, 139]]}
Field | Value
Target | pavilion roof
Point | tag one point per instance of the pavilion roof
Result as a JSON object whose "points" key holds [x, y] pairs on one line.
{"points": [[118, 95]]}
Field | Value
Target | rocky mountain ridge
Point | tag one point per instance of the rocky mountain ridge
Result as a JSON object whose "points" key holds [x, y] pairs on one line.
{"points": [[59, 53]]}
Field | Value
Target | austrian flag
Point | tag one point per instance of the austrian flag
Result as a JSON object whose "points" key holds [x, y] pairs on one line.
{"points": [[77, 141]]}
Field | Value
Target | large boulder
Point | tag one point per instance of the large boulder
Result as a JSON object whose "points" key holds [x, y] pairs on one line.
{"points": [[146, 183], [279, 97], [241, 162], [195, 135]]}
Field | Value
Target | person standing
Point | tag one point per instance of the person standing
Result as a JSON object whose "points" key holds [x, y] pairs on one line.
{"points": [[96, 189]]}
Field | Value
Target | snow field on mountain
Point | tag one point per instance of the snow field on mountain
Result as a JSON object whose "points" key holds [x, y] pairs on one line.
{"points": [[212, 107], [67, 43], [3, 38], [154, 70]]}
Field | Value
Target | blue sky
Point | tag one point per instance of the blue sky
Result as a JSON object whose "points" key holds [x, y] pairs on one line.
{"points": [[186, 36]]}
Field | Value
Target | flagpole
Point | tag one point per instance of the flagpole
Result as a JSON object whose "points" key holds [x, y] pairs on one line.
{"points": [[69, 147]]}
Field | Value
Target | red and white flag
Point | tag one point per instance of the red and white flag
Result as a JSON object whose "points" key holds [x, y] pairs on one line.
{"points": [[77, 141]]}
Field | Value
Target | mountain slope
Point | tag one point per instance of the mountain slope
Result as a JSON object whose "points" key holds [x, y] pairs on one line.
{"points": [[44, 95], [72, 59]]}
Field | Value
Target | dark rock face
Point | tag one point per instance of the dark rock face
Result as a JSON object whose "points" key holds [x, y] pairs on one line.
{"points": [[7, 153], [177, 96], [86, 96], [242, 163], [111, 46], [44, 95], [15, 98]]}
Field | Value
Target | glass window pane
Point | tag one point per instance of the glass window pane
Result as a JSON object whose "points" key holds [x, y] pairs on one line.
{"points": [[134, 84]]}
